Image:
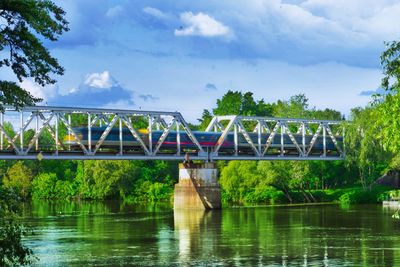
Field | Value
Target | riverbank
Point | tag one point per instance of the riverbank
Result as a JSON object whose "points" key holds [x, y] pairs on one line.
{"points": [[350, 195]]}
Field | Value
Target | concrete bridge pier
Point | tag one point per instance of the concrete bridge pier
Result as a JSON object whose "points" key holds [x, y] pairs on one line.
{"points": [[198, 187]]}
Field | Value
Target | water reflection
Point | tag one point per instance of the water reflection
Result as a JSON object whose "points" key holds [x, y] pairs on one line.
{"points": [[197, 232], [112, 233]]}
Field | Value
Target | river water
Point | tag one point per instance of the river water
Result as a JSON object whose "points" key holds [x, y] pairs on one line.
{"points": [[84, 233]]}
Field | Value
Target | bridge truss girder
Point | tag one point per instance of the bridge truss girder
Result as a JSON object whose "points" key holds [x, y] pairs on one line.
{"points": [[39, 119], [277, 127]]}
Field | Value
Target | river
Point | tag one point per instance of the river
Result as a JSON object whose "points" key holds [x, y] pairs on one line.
{"points": [[93, 233]]}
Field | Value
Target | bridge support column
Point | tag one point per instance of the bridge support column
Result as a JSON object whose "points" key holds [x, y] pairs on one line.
{"points": [[198, 187]]}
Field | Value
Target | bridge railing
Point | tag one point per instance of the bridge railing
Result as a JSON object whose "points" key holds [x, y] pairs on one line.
{"points": [[44, 132]]}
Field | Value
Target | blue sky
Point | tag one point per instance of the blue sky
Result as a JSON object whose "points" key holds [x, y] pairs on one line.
{"points": [[182, 55]]}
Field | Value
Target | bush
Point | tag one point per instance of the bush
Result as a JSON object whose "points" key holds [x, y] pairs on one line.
{"points": [[360, 196], [12, 250], [48, 186], [148, 191], [19, 177]]}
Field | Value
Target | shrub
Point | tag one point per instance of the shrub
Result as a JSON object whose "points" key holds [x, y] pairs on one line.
{"points": [[48, 186], [19, 177]]}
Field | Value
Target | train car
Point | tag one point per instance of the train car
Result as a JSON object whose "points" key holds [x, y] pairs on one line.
{"points": [[207, 140]]}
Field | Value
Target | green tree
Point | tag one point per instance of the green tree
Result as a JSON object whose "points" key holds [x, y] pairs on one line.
{"points": [[25, 25], [296, 107], [19, 177], [365, 151], [101, 178], [238, 103], [205, 119], [277, 174], [237, 179], [12, 251], [391, 66]]}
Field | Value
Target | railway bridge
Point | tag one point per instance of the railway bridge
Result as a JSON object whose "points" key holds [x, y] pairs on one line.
{"points": [[71, 133]]}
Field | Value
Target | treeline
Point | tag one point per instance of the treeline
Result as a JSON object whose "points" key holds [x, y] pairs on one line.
{"points": [[133, 181]]}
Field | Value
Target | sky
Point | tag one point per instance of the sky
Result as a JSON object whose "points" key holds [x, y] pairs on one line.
{"points": [[183, 55]]}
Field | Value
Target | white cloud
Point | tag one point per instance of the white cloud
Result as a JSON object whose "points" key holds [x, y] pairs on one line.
{"points": [[202, 25], [114, 11], [356, 23], [155, 12], [36, 90], [102, 80]]}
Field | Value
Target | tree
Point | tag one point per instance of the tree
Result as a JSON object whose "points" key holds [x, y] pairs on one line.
{"points": [[102, 177], [205, 119], [277, 174], [19, 177], [238, 103], [24, 25], [391, 66], [12, 251], [296, 107], [366, 151]]}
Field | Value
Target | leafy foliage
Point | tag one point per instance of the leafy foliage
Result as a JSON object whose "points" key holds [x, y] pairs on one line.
{"points": [[25, 24], [12, 251], [366, 152], [19, 178], [391, 66]]}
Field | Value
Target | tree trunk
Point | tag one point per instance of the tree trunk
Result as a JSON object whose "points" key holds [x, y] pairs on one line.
{"points": [[287, 195]]}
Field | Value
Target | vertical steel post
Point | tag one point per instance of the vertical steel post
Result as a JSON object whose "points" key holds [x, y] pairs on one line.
{"points": [[56, 128], [2, 134], [121, 141], [37, 130], [89, 133], [282, 139], [178, 139], [324, 138], [150, 134], [21, 135], [69, 131], [235, 138], [259, 136], [303, 133]]}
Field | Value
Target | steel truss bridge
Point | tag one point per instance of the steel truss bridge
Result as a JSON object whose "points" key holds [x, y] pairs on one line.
{"points": [[23, 132]]}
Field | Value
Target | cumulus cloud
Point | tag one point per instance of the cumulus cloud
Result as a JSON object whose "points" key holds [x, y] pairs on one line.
{"points": [[97, 89], [101, 80], [43, 92], [201, 24], [210, 87], [296, 31]]}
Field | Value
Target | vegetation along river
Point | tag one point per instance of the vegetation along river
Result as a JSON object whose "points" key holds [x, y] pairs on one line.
{"points": [[92, 233]]}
